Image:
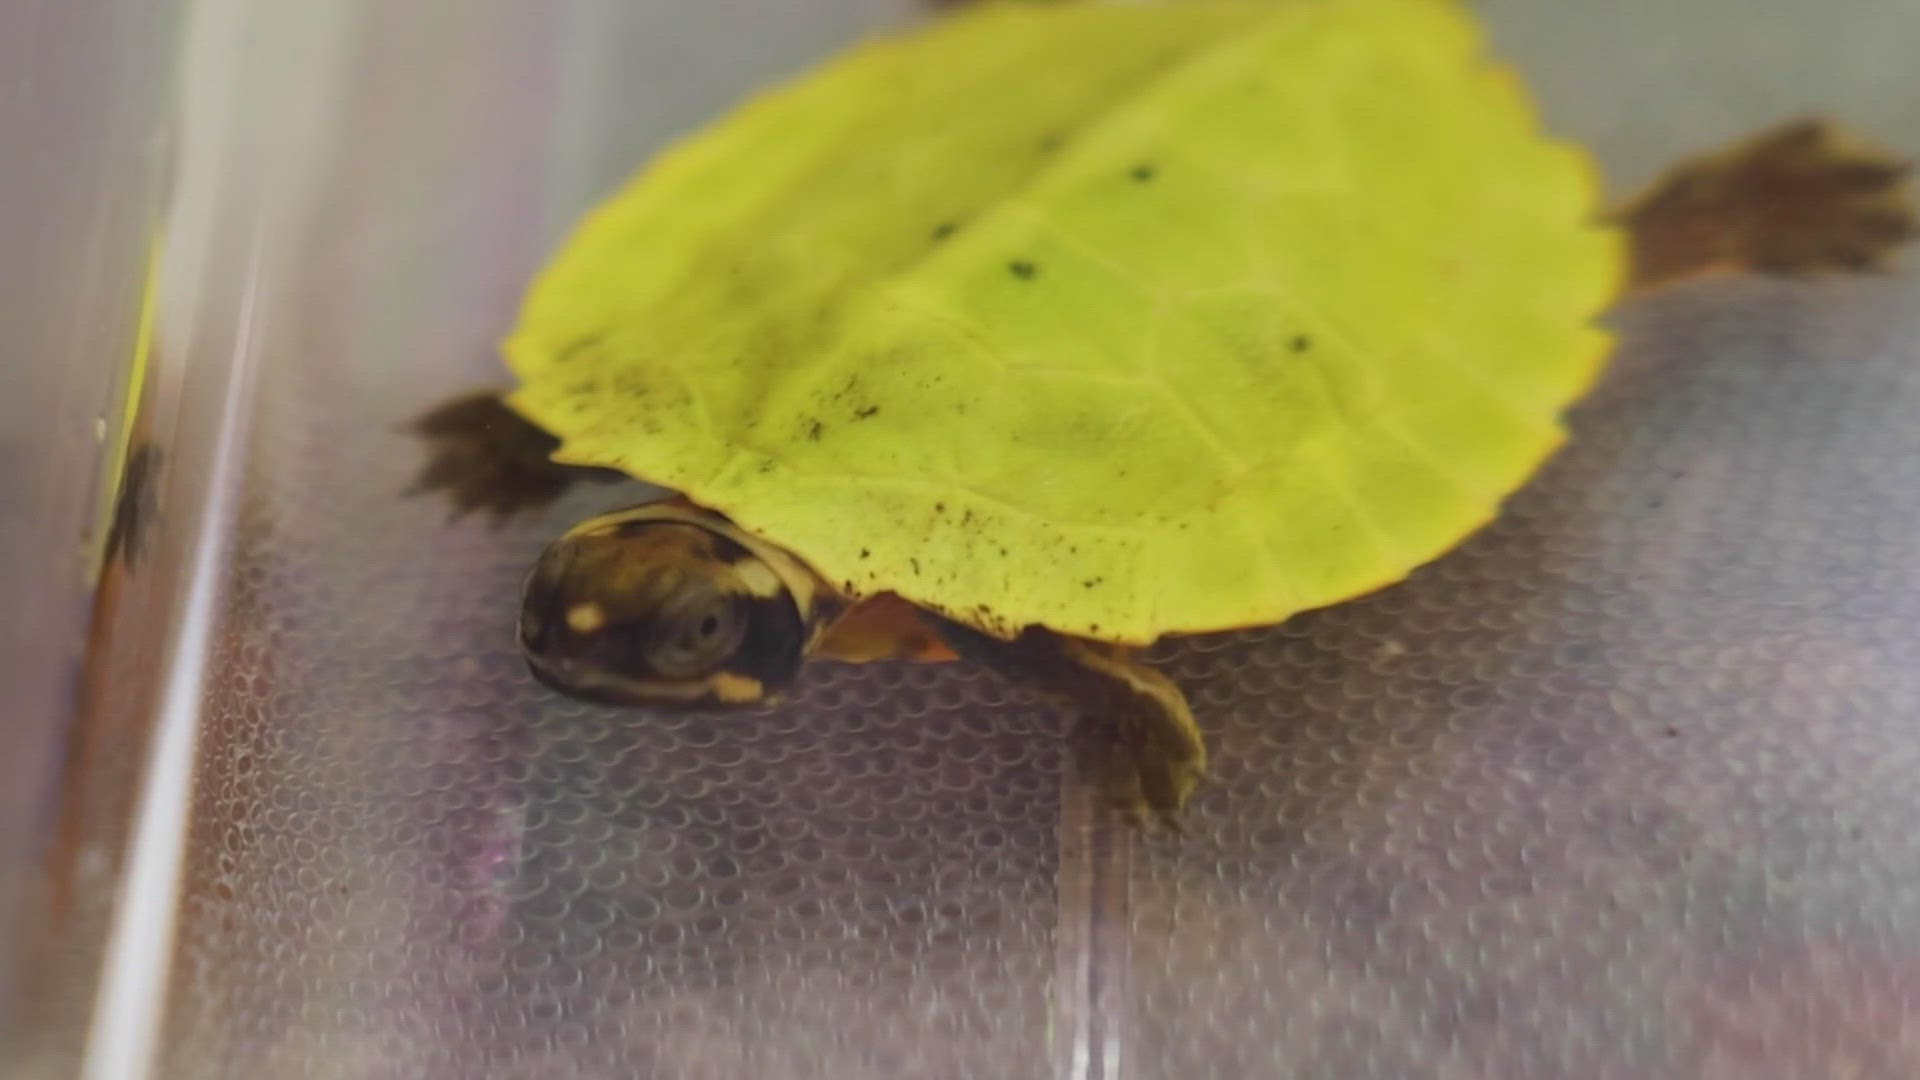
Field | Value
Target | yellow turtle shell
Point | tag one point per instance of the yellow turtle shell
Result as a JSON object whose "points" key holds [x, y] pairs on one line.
{"points": [[1122, 319]]}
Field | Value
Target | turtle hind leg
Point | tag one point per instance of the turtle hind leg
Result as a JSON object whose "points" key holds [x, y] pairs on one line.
{"points": [[1165, 755], [1800, 198], [485, 456], [1157, 755]]}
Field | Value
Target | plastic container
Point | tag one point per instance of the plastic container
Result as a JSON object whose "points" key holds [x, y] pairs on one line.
{"points": [[1622, 787]]}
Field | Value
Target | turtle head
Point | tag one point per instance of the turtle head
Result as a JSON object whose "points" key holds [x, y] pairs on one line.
{"points": [[668, 605]]}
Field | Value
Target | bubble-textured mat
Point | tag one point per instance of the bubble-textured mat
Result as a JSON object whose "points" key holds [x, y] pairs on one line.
{"points": [[1624, 786]]}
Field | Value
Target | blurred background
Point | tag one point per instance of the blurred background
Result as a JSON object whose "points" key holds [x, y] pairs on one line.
{"points": [[1623, 787]]}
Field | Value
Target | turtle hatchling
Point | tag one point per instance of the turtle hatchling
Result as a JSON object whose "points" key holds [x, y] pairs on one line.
{"points": [[1040, 332]]}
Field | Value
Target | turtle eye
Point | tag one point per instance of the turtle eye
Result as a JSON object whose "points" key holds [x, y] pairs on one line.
{"points": [[695, 633]]}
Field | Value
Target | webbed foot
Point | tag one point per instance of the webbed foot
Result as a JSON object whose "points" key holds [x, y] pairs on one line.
{"points": [[1800, 198], [1164, 756], [485, 456], [1156, 756]]}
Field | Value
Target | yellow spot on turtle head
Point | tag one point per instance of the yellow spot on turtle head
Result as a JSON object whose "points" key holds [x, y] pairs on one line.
{"points": [[759, 579], [586, 618], [736, 689]]}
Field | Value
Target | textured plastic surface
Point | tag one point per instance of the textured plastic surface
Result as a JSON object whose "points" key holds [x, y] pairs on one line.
{"points": [[1624, 787], [1621, 788]]}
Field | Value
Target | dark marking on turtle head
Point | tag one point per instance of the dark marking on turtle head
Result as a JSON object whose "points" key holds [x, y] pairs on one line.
{"points": [[1300, 343], [865, 411], [1023, 269], [945, 229], [1144, 172]]}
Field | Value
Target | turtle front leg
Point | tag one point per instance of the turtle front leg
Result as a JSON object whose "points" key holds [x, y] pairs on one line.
{"points": [[1166, 755], [487, 457], [1800, 198]]}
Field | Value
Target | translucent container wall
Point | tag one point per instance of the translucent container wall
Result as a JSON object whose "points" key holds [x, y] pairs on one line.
{"points": [[85, 115], [1623, 787]]}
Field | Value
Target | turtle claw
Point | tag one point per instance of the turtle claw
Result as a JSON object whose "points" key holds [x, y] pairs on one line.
{"points": [[1802, 198], [1164, 786], [1132, 770], [1145, 754], [485, 457], [1152, 820]]}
